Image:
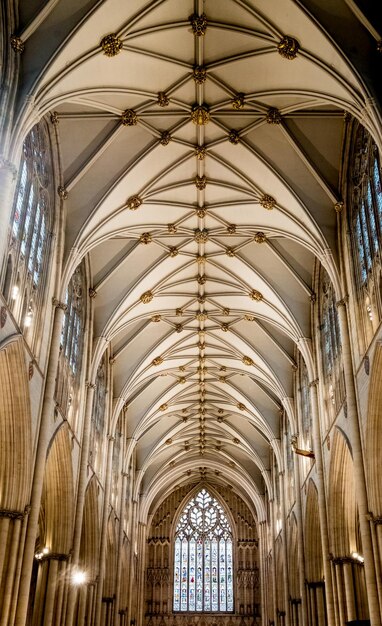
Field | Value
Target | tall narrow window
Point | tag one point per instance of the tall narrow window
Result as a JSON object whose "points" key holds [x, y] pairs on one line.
{"points": [[364, 192], [203, 560], [71, 345], [29, 240], [331, 348]]}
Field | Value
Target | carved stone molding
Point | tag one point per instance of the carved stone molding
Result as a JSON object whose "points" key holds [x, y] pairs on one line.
{"points": [[163, 100], [198, 24], [288, 47], [59, 305], [146, 297], [267, 202], [200, 114], [17, 44], [129, 118], [133, 203], [12, 514], [238, 101], [199, 74], [111, 45], [273, 116]]}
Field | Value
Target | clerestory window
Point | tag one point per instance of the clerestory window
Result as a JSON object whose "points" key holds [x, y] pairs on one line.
{"points": [[203, 559]]}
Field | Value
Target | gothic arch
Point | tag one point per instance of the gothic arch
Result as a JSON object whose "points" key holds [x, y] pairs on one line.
{"points": [[58, 495], [342, 503], [15, 427], [374, 434], [90, 531], [312, 534]]}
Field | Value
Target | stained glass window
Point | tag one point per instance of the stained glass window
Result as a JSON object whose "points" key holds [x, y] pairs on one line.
{"points": [[31, 223], [365, 221], [71, 344], [203, 561], [331, 348]]}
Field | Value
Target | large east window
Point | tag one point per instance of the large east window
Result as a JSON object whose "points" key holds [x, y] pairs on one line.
{"points": [[203, 560]]}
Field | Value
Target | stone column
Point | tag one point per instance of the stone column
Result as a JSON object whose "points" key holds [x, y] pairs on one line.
{"points": [[102, 551], [300, 542], [50, 591], [322, 502], [340, 592], [284, 548], [349, 590], [81, 490], [120, 546], [359, 470], [39, 468], [273, 526], [10, 572], [131, 558]]}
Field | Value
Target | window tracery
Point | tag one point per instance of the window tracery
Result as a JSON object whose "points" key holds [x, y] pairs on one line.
{"points": [[331, 348], [30, 228], [98, 418], [71, 344], [365, 216], [203, 557]]}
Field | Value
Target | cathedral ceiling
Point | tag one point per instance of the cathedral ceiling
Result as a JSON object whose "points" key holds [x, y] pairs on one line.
{"points": [[201, 164]]}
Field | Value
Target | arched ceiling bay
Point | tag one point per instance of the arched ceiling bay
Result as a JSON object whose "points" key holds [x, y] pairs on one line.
{"points": [[201, 170]]}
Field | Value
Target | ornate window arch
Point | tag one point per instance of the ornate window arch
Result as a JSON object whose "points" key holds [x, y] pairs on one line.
{"points": [[30, 231], [330, 336], [364, 192], [203, 557], [71, 344], [98, 418]]}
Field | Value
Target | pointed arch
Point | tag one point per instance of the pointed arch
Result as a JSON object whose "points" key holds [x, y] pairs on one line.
{"points": [[90, 535], [373, 456], [203, 556], [342, 503], [58, 495], [314, 566], [15, 427]]}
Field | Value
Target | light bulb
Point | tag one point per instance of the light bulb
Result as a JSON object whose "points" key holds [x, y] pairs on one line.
{"points": [[15, 292]]}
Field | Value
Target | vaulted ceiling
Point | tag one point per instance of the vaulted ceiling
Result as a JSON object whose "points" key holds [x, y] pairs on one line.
{"points": [[201, 166]]}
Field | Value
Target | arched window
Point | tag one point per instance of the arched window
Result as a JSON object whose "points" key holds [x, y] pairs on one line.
{"points": [[203, 560], [71, 344], [331, 348], [31, 224], [304, 405], [365, 216], [98, 418]]}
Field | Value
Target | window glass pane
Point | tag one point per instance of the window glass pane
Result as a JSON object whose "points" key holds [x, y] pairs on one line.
{"points": [[203, 557]]}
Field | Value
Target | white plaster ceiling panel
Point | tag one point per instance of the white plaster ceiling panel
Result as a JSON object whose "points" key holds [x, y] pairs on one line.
{"points": [[193, 274]]}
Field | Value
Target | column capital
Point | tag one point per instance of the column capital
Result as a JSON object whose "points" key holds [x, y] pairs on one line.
{"points": [[11, 514], [313, 383], [111, 438], [5, 164], [343, 302], [90, 385], [59, 305]]}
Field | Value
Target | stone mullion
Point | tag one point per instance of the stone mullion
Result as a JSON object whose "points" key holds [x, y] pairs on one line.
{"points": [[359, 470]]}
